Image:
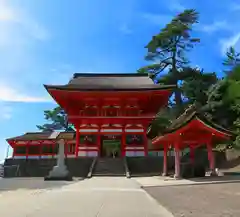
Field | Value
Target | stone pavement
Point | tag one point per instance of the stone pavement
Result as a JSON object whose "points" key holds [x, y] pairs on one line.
{"points": [[96, 197]]}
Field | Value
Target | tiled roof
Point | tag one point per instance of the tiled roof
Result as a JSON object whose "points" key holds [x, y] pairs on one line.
{"points": [[190, 114], [91, 81], [44, 136]]}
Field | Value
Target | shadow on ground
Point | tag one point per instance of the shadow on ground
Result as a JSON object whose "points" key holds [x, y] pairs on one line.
{"points": [[10, 184]]}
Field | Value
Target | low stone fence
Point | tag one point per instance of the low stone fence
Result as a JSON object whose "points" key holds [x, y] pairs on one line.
{"points": [[1, 170]]}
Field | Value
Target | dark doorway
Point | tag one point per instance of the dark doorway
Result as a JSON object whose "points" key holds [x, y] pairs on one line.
{"points": [[111, 146]]}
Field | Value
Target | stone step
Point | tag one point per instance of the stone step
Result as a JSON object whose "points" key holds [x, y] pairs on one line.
{"points": [[109, 174], [109, 167]]}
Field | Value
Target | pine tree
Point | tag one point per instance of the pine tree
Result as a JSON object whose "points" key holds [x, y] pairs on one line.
{"points": [[167, 50], [57, 119]]}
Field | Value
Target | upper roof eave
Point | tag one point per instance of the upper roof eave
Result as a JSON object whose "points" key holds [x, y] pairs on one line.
{"points": [[76, 75], [79, 88]]}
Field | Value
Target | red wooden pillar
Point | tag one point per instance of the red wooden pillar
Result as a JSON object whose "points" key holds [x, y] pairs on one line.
{"points": [[27, 149], [53, 144], [177, 160], [40, 149], [99, 141], [99, 110], [192, 153], [77, 141], [123, 145], [145, 141], [165, 157], [211, 157], [14, 149]]}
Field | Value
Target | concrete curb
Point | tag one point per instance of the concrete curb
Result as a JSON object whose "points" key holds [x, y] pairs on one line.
{"points": [[185, 184]]}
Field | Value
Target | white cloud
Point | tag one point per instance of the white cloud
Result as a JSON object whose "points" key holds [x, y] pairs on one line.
{"points": [[14, 17], [5, 112], [175, 5], [8, 94], [36, 30], [157, 19], [6, 13], [125, 29], [215, 26], [235, 6], [20, 33], [231, 41]]}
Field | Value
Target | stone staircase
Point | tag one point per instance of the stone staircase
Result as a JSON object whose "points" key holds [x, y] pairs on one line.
{"points": [[79, 167], [109, 167]]}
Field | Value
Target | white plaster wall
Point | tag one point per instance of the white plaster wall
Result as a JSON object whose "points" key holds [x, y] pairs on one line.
{"points": [[92, 153], [88, 153], [82, 153], [134, 153]]}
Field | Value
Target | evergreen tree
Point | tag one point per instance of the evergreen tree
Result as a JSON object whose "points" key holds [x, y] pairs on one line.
{"points": [[219, 104], [196, 84], [223, 102], [57, 119], [167, 51], [232, 60]]}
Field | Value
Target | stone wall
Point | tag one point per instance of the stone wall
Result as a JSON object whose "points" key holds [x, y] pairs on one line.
{"points": [[232, 154]]}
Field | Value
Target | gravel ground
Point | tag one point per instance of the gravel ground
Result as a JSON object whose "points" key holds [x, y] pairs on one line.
{"points": [[208, 200]]}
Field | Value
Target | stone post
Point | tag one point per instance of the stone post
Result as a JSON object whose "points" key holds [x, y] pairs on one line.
{"points": [[165, 159], [177, 162], [60, 171], [211, 160]]}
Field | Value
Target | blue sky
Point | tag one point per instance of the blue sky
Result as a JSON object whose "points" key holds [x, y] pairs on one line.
{"points": [[45, 42]]}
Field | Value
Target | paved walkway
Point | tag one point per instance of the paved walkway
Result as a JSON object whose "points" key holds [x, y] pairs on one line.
{"points": [[96, 197]]}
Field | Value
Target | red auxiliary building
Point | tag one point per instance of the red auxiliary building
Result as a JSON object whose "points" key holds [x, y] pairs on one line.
{"points": [[191, 130], [110, 114]]}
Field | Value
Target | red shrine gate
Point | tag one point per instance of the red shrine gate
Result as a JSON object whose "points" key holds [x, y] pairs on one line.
{"points": [[110, 104]]}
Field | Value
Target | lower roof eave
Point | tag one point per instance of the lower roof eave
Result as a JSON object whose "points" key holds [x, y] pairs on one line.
{"points": [[42, 136]]}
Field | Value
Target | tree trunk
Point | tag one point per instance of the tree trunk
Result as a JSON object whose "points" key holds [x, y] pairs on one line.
{"points": [[178, 97], [177, 91]]}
